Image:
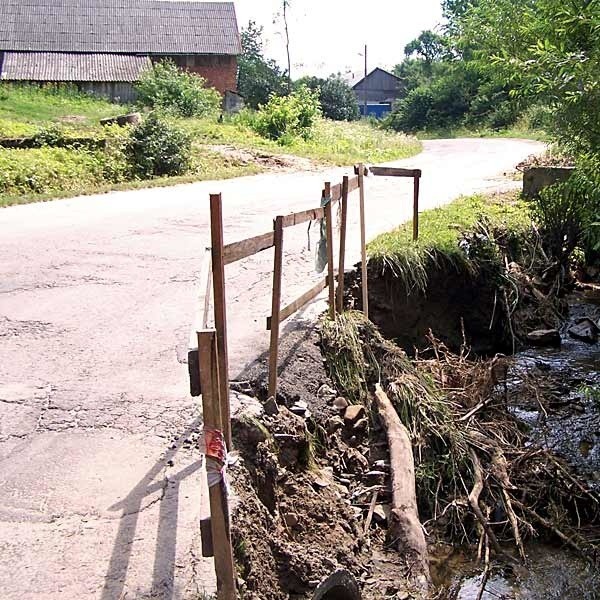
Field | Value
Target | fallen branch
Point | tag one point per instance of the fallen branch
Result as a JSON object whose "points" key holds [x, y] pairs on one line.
{"points": [[405, 527]]}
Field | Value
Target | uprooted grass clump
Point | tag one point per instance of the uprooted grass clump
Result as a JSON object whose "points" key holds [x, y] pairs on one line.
{"points": [[477, 478]]}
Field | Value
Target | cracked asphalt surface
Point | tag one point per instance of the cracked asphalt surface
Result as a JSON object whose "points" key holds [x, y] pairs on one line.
{"points": [[101, 491]]}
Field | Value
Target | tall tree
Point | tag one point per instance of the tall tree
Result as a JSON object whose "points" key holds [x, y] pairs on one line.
{"points": [[258, 77]]}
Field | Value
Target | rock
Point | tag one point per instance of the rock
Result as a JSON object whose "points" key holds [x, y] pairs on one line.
{"points": [[381, 514], [290, 519], [327, 393], [300, 408], [334, 424], [353, 414], [271, 407], [544, 337], [122, 120], [355, 461], [246, 406], [360, 427], [585, 330], [340, 404], [248, 429]]}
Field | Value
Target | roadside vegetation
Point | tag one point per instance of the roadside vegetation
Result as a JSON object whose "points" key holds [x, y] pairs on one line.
{"points": [[184, 123]]}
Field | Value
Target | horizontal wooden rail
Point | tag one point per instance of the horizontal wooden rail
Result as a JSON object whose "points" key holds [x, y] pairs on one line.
{"points": [[336, 193], [395, 172], [296, 305], [353, 184], [248, 247], [312, 214]]}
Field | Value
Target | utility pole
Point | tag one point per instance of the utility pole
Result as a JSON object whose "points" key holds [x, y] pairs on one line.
{"points": [[366, 86]]}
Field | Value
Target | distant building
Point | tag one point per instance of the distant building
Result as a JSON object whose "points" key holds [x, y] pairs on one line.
{"points": [[380, 89], [104, 46]]}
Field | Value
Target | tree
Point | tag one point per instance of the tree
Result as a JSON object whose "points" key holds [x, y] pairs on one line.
{"points": [[258, 77], [552, 56], [338, 100], [429, 46]]}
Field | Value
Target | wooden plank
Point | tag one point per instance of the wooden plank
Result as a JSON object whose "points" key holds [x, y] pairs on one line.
{"points": [[363, 242], [416, 209], [216, 229], [353, 185], [342, 256], [335, 192], [395, 172], [330, 267], [205, 290], [248, 247], [276, 307], [217, 493], [296, 305], [312, 214]]}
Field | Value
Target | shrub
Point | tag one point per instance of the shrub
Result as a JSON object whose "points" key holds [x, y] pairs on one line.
{"points": [[338, 100], [284, 118], [568, 213], [179, 92], [157, 148], [46, 170]]}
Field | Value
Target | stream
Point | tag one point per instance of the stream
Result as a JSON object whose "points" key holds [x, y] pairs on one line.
{"points": [[569, 424]]}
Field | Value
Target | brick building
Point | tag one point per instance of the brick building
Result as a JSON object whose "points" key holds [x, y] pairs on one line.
{"points": [[104, 46]]}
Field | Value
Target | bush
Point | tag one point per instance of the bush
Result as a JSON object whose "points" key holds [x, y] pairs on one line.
{"points": [[178, 92], [284, 118], [338, 100], [568, 213], [158, 148], [47, 170]]}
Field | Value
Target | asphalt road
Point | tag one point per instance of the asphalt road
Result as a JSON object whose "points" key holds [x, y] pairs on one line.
{"points": [[100, 494]]}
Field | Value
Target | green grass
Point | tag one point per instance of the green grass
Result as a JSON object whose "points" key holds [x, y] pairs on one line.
{"points": [[47, 173], [332, 143], [516, 132], [440, 231], [206, 166], [29, 105]]}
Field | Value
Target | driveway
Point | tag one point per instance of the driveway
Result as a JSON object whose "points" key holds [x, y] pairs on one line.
{"points": [[100, 491]]}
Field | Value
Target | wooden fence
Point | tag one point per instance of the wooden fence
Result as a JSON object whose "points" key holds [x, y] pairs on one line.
{"points": [[208, 360]]}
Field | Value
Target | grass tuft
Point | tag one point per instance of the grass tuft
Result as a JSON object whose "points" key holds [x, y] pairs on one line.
{"points": [[442, 241]]}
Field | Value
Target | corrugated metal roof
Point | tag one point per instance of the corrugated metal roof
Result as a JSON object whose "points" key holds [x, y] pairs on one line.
{"points": [[57, 66], [119, 26]]}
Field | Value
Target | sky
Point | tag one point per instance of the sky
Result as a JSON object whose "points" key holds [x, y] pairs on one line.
{"points": [[328, 36]]}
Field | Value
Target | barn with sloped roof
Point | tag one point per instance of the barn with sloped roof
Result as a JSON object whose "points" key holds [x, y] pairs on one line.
{"points": [[104, 46]]}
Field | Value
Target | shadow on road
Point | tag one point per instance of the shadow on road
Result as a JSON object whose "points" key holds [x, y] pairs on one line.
{"points": [[166, 538]]}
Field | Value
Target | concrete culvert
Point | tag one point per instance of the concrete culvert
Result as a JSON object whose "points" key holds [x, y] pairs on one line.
{"points": [[340, 585]]}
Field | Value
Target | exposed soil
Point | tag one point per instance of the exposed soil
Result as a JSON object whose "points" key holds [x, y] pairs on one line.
{"points": [[306, 484], [272, 162], [456, 307]]}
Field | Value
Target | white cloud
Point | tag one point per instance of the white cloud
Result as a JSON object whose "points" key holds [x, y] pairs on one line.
{"points": [[328, 36]]}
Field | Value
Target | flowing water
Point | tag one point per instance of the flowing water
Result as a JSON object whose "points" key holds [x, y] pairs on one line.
{"points": [[568, 423]]}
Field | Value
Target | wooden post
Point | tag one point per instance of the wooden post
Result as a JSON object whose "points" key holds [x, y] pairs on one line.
{"points": [[276, 307], [363, 240], [342, 257], [216, 230], [417, 181], [217, 491], [330, 267]]}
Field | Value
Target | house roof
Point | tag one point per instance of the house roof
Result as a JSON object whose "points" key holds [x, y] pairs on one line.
{"points": [[391, 76], [57, 66], [119, 26]]}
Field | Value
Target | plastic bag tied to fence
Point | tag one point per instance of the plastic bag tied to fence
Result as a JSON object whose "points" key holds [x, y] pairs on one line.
{"points": [[212, 445], [321, 251]]}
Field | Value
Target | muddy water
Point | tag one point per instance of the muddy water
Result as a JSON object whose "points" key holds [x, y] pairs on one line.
{"points": [[569, 424], [551, 575]]}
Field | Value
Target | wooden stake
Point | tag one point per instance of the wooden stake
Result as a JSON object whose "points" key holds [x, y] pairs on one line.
{"points": [[331, 269], [417, 181], [342, 257], [276, 307], [219, 507], [216, 230], [363, 241]]}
